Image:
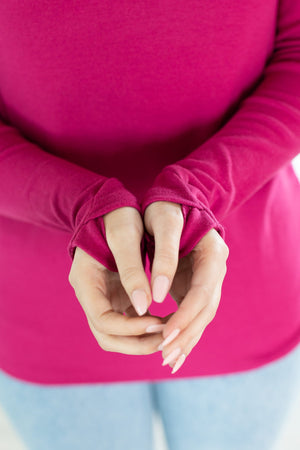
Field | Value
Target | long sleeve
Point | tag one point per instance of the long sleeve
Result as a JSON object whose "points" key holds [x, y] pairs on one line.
{"points": [[45, 190], [259, 138]]}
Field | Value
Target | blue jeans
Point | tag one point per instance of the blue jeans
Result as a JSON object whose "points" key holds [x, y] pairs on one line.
{"points": [[232, 412]]}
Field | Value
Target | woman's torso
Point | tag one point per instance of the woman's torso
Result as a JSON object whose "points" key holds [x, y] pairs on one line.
{"points": [[123, 90]]}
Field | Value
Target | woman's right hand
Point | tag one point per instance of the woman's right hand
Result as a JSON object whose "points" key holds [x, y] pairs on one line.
{"points": [[116, 303]]}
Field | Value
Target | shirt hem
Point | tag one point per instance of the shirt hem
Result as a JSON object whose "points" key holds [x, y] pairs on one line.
{"points": [[80, 378]]}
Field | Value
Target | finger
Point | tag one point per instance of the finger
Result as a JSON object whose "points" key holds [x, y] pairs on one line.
{"points": [[130, 345], [131, 312], [208, 275], [190, 336], [166, 224], [180, 343], [124, 236], [105, 320]]}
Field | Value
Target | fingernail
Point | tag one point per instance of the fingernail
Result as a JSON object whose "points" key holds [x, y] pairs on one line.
{"points": [[139, 300], [160, 288], [155, 328], [179, 363], [174, 354], [171, 337]]}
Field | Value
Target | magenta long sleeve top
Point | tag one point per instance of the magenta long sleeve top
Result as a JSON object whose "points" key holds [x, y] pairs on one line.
{"points": [[109, 104]]}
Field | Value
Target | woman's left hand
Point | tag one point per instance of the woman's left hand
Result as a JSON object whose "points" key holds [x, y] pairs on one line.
{"points": [[195, 281]]}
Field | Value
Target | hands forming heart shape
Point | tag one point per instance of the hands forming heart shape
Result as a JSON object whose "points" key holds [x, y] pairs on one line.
{"points": [[116, 303]]}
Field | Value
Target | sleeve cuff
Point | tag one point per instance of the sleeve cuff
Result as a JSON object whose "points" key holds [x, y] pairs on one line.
{"points": [[197, 222], [198, 218], [89, 233]]}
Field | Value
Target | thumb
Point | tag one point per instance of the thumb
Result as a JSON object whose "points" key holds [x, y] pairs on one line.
{"points": [[164, 221], [124, 232]]}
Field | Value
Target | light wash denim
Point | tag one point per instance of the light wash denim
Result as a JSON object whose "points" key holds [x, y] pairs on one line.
{"points": [[233, 412]]}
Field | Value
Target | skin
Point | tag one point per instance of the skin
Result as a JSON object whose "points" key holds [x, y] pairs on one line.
{"points": [[195, 282]]}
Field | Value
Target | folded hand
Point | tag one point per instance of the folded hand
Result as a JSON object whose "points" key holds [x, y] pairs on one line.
{"points": [[194, 281], [107, 297]]}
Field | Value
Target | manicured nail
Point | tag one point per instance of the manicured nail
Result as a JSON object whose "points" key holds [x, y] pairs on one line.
{"points": [[139, 300], [173, 355], [155, 328], [179, 363], [171, 337], [160, 288]]}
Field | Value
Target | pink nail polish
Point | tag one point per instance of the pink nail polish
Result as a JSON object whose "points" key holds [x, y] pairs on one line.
{"points": [[179, 363], [155, 328], [160, 288], [139, 301], [173, 355], [171, 337]]}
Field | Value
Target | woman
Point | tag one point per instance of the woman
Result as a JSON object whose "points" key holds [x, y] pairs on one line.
{"points": [[149, 140]]}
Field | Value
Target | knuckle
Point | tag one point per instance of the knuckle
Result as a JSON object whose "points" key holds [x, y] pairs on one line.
{"points": [[167, 214], [206, 292], [167, 258], [212, 311], [225, 250], [129, 274], [218, 249], [114, 235], [100, 321], [103, 344], [71, 278], [100, 338], [174, 218], [169, 208], [119, 233], [222, 249], [219, 246]]}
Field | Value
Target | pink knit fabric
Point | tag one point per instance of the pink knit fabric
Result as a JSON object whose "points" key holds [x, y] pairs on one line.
{"points": [[104, 106]]}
